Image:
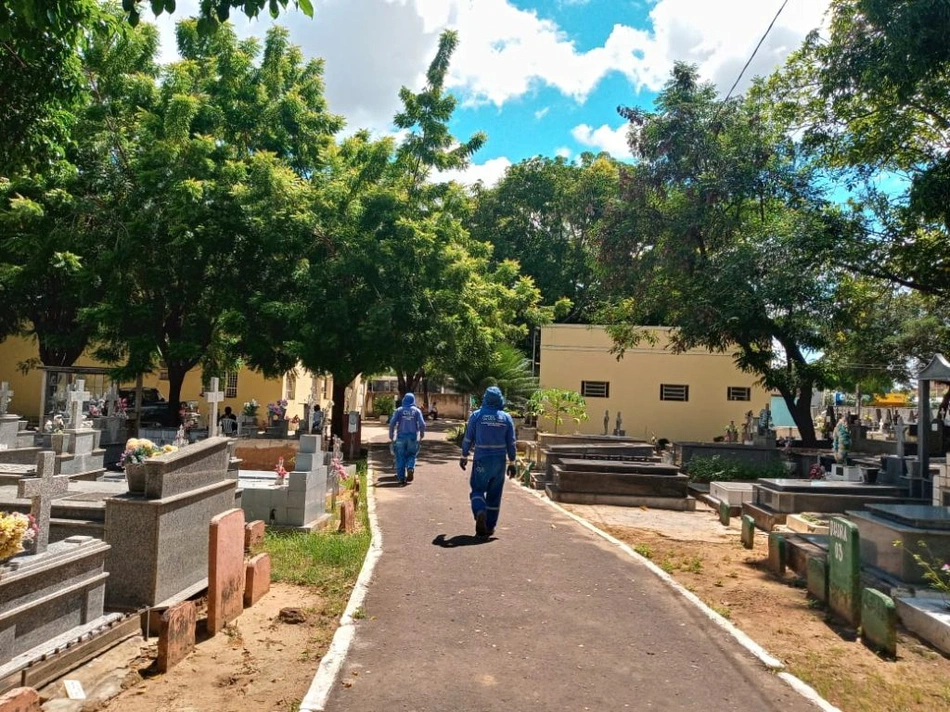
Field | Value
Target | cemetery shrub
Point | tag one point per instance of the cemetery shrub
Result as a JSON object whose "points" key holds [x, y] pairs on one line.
{"points": [[716, 469], [384, 405]]}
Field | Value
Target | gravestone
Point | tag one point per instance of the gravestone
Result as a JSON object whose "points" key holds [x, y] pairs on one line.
{"points": [[817, 576], [160, 534], [214, 396], [300, 501], [257, 581], [226, 571], [76, 397], [54, 590], [844, 570], [176, 634], [748, 531], [880, 526], [6, 395], [41, 491], [879, 622]]}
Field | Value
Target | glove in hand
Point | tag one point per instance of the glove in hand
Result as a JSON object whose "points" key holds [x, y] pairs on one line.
{"points": [[463, 462], [511, 470]]}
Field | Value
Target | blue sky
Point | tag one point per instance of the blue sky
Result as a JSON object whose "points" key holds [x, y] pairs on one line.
{"points": [[538, 76]]}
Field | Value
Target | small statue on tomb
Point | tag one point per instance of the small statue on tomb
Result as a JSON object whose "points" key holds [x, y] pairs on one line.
{"points": [[606, 421], [747, 427], [618, 424], [732, 432], [765, 421], [841, 443]]}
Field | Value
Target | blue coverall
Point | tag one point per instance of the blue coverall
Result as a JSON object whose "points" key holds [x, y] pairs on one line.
{"points": [[492, 432], [409, 425]]}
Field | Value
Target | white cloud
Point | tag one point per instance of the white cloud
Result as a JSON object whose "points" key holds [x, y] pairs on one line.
{"points": [[604, 138], [541, 113], [563, 152], [372, 47], [489, 172]]}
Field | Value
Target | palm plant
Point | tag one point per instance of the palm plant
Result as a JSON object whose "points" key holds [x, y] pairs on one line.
{"points": [[506, 368]]}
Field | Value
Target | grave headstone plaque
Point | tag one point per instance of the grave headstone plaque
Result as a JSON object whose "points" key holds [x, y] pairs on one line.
{"points": [[226, 571], [777, 553], [77, 396], [844, 570], [725, 512]]}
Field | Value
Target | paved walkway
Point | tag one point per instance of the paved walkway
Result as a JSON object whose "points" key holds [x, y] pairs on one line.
{"points": [[545, 616]]}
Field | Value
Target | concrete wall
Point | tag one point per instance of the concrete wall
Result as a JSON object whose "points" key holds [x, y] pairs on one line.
{"points": [[572, 353]]}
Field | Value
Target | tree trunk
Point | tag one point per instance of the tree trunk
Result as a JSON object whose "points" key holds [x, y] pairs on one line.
{"points": [[176, 378], [801, 413], [340, 383], [408, 381]]}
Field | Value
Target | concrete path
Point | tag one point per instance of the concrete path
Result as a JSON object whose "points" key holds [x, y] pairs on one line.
{"points": [[544, 616]]}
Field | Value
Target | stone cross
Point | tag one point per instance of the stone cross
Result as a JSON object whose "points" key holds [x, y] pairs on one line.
{"points": [[112, 401], [214, 396], [42, 490], [5, 396], [76, 398]]}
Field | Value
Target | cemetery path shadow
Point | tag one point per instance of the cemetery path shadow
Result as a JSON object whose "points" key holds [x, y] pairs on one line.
{"points": [[549, 617]]}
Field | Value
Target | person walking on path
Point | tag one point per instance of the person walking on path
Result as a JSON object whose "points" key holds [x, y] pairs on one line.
{"points": [[492, 432], [409, 427]]}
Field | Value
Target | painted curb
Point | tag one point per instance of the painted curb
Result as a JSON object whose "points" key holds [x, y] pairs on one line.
{"points": [[769, 661], [329, 669]]}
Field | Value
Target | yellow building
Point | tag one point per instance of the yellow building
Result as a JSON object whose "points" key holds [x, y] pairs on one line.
{"points": [[36, 387], [688, 396]]}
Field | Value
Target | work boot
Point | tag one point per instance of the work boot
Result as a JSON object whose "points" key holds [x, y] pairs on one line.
{"points": [[409, 474], [481, 528]]}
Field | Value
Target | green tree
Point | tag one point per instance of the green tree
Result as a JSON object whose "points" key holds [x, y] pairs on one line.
{"points": [[555, 404], [215, 213], [871, 95], [712, 237], [543, 214]]}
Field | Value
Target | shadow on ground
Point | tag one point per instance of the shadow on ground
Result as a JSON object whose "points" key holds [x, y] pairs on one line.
{"points": [[461, 540]]}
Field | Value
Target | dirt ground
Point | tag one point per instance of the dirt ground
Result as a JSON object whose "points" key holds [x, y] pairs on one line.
{"points": [[777, 613], [259, 662]]}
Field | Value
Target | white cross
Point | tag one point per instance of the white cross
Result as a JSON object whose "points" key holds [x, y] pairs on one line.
{"points": [[76, 398], [42, 490], [112, 401], [214, 396], [6, 395]]}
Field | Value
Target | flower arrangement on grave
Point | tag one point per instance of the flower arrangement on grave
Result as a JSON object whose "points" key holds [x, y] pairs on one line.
{"points": [[816, 472], [341, 474], [138, 450], [16, 529], [56, 425], [95, 408], [281, 472], [278, 410], [122, 407], [250, 408], [841, 443], [180, 438]]}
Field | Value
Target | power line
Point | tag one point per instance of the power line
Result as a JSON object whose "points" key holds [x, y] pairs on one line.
{"points": [[752, 56]]}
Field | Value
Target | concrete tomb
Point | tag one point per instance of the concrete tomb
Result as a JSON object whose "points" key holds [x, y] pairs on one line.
{"points": [[624, 483]]}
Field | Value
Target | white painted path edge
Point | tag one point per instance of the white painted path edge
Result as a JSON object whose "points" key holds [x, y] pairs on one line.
{"points": [[316, 698], [770, 662]]}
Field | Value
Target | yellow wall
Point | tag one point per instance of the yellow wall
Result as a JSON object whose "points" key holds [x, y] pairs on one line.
{"points": [[574, 353], [250, 384]]}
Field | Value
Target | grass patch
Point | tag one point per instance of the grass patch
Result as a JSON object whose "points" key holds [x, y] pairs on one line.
{"points": [[643, 550], [716, 469], [326, 560], [723, 611]]}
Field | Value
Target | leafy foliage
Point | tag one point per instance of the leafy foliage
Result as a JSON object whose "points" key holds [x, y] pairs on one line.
{"points": [[556, 404], [717, 469]]}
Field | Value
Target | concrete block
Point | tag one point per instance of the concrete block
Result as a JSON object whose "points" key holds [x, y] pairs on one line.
{"points": [[927, 617], [724, 513], [226, 572], [176, 635], [257, 581], [879, 622], [748, 531], [817, 576], [777, 553], [253, 534]]}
